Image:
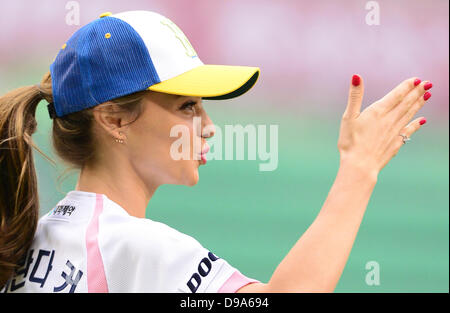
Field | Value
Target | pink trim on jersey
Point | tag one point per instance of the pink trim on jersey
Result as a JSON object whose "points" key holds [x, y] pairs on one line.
{"points": [[96, 277], [236, 281]]}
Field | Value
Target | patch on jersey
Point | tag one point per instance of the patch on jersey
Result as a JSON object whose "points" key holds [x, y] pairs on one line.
{"points": [[62, 211]]}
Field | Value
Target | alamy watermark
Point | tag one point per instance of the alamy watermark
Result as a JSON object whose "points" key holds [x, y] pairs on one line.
{"points": [[373, 16], [373, 274], [229, 144], [73, 14]]}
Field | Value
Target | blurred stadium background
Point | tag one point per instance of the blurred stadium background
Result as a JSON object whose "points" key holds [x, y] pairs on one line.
{"points": [[307, 52]]}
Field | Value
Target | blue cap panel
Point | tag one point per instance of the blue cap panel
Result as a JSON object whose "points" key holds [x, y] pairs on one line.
{"points": [[66, 76], [94, 68]]}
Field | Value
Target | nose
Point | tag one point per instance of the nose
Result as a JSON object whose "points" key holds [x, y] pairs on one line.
{"points": [[208, 128]]}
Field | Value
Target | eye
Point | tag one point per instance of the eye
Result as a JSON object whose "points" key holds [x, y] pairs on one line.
{"points": [[189, 105]]}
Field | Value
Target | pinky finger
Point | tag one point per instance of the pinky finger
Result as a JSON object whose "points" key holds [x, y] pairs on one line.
{"points": [[408, 130], [413, 126]]}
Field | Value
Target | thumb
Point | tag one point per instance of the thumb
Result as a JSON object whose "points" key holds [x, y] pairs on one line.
{"points": [[355, 96]]}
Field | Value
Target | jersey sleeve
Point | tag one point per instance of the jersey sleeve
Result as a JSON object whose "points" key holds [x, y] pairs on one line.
{"points": [[153, 257]]}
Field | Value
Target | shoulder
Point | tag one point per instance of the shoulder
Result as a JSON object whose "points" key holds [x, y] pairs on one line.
{"points": [[142, 255], [133, 232]]}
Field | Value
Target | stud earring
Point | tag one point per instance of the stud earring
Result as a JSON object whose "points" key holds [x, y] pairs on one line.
{"points": [[119, 140]]}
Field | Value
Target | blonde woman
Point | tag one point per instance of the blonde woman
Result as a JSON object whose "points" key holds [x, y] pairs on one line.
{"points": [[115, 90]]}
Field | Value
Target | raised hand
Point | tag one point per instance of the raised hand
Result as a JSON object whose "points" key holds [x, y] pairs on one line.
{"points": [[370, 139]]}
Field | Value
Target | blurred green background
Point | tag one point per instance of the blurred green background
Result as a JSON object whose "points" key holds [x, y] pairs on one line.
{"points": [[307, 52]]}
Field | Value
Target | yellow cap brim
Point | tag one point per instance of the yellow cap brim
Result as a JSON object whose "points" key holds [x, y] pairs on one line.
{"points": [[211, 82]]}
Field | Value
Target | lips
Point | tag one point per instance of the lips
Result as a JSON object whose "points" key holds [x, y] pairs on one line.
{"points": [[205, 149], [203, 153]]}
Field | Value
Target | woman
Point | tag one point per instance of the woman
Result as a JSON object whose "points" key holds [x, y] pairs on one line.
{"points": [[116, 90]]}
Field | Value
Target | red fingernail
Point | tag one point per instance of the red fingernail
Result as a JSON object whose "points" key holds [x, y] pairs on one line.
{"points": [[356, 80], [427, 96], [416, 82], [427, 86], [422, 121]]}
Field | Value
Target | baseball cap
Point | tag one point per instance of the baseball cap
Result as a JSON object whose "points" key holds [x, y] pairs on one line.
{"points": [[123, 53]]}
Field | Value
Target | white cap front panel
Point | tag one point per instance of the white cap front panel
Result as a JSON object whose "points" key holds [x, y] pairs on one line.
{"points": [[169, 48]]}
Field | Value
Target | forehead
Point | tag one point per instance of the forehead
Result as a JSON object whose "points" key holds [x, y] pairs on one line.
{"points": [[162, 98], [165, 98], [169, 101]]}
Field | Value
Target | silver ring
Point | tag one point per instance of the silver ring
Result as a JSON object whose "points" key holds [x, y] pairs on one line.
{"points": [[405, 138]]}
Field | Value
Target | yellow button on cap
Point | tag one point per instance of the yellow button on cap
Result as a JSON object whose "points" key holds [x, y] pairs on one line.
{"points": [[105, 14]]}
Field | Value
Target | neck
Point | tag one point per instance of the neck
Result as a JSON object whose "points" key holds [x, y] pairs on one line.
{"points": [[121, 185]]}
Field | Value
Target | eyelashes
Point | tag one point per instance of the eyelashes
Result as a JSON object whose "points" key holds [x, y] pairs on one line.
{"points": [[188, 105]]}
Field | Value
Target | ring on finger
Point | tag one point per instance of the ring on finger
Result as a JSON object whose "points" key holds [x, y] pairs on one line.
{"points": [[405, 138]]}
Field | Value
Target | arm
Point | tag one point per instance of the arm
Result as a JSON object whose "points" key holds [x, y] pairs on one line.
{"points": [[317, 260], [367, 142]]}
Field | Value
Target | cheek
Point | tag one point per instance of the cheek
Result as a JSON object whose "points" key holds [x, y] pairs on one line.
{"points": [[184, 171], [150, 152], [150, 140]]}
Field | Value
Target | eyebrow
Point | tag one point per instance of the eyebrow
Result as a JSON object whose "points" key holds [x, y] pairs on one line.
{"points": [[180, 96]]}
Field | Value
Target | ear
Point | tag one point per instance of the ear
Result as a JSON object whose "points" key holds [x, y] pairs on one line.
{"points": [[110, 118]]}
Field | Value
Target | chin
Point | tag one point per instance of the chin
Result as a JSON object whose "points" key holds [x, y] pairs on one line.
{"points": [[187, 177], [192, 180]]}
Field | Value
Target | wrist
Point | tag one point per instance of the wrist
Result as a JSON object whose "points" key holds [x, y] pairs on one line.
{"points": [[359, 170]]}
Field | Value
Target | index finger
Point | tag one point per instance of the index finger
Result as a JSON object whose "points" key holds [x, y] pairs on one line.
{"points": [[396, 95]]}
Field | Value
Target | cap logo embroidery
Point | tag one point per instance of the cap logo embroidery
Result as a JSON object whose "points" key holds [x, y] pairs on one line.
{"points": [[190, 52]]}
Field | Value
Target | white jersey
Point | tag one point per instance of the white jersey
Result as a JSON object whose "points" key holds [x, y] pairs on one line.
{"points": [[88, 243]]}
